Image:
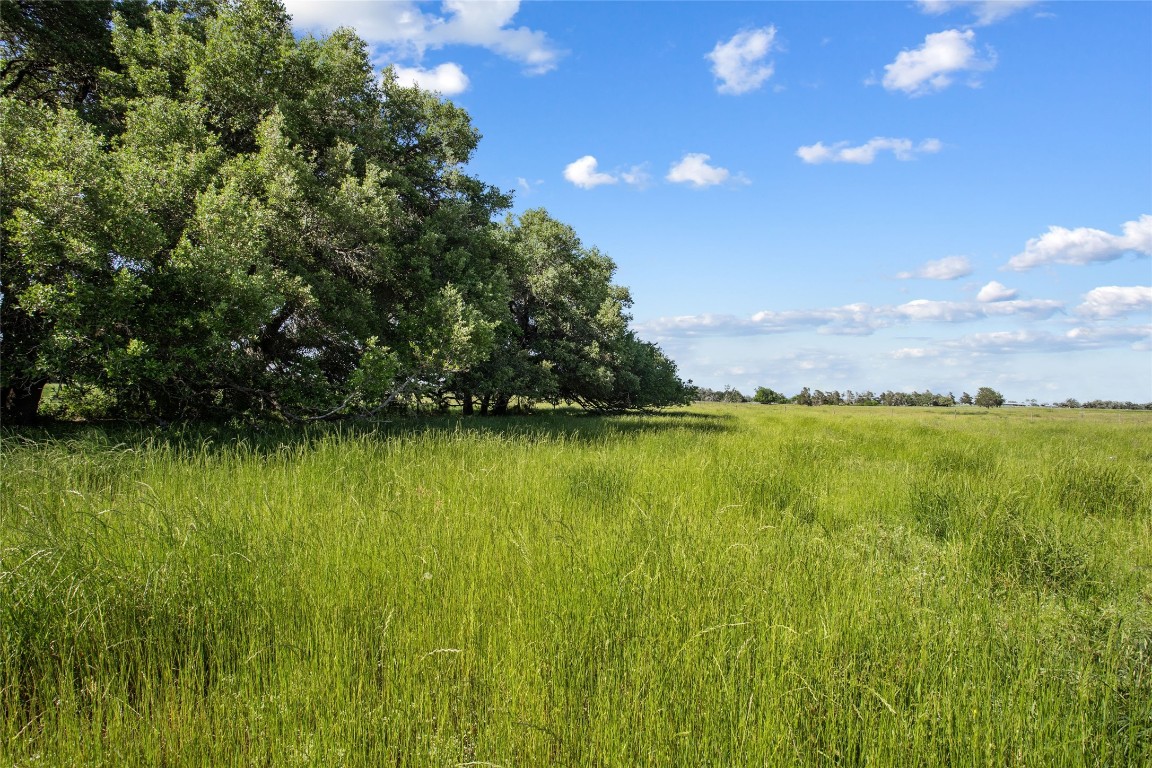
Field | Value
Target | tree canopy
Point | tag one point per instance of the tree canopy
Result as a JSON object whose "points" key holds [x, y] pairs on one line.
{"points": [[986, 397], [206, 217]]}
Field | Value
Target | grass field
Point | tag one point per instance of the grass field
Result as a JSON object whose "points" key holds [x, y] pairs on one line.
{"points": [[721, 585]]}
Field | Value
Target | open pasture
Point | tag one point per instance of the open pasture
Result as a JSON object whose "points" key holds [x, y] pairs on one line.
{"points": [[719, 585]]}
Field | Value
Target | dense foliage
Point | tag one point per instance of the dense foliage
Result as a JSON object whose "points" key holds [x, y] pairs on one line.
{"points": [[726, 395], [769, 396], [986, 397], [206, 217]]}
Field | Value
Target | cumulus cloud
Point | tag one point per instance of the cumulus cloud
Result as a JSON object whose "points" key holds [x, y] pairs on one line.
{"points": [[995, 291], [932, 66], [986, 11], [403, 30], [1115, 301], [740, 63], [948, 268], [864, 154], [583, 173], [695, 169], [1084, 245], [447, 79], [849, 320]]}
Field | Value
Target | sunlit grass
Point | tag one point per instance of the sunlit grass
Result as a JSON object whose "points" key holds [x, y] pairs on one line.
{"points": [[725, 585]]}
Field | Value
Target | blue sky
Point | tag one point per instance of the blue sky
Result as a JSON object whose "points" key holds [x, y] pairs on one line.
{"points": [[863, 195]]}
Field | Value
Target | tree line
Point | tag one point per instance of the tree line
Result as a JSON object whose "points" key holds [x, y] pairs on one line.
{"points": [[206, 217], [985, 397], [1109, 405]]}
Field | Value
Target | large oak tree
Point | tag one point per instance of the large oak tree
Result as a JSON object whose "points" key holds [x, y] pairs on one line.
{"points": [[204, 216]]}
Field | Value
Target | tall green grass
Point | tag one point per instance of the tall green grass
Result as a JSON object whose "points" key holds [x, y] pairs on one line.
{"points": [[723, 585]]}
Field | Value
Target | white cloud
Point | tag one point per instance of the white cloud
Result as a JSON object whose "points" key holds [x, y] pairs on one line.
{"points": [[447, 79], [739, 64], [849, 320], [487, 23], [405, 31], [1138, 336], [948, 268], [1012, 342], [924, 310], [1035, 309], [583, 173], [1115, 301], [995, 291], [840, 152], [986, 11], [932, 66], [1084, 245], [694, 169], [1008, 342], [913, 353], [962, 311]]}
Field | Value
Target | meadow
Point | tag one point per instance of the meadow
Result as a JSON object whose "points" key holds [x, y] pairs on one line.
{"points": [[721, 585]]}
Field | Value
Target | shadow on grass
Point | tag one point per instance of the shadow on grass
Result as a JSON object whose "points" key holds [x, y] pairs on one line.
{"points": [[566, 423]]}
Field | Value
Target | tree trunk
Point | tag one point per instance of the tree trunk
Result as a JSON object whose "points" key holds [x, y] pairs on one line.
{"points": [[466, 406], [21, 402], [484, 405], [500, 407]]}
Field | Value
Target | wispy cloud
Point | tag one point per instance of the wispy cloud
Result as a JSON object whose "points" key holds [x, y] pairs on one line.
{"points": [[401, 30], [740, 64], [1015, 342], [695, 169], [637, 176], [934, 65], [865, 154], [986, 11], [526, 187], [850, 319], [948, 268], [1084, 245]]}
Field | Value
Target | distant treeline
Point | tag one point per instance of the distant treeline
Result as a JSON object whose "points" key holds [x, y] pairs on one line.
{"points": [[808, 396], [1108, 405], [985, 396]]}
